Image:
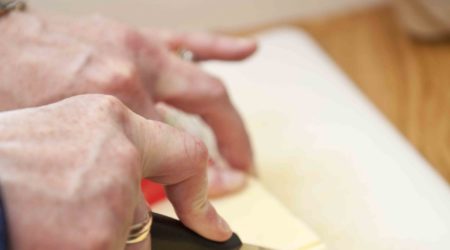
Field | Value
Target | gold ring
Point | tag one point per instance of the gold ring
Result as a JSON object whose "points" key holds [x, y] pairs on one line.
{"points": [[138, 232]]}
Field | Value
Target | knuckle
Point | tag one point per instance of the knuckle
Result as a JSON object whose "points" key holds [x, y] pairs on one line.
{"points": [[98, 113], [217, 90], [131, 38], [107, 102], [106, 105], [120, 75]]}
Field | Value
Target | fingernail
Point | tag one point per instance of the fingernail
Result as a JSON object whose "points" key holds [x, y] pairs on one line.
{"points": [[223, 225], [234, 179]]}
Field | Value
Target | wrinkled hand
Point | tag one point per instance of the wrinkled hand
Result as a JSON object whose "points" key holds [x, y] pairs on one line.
{"points": [[70, 174], [48, 59]]}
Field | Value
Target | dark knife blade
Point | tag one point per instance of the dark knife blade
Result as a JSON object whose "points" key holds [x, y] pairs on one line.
{"points": [[171, 234]]}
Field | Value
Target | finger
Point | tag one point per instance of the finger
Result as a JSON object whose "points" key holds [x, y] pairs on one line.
{"points": [[207, 46], [224, 180], [143, 245], [141, 214], [178, 160], [186, 87]]}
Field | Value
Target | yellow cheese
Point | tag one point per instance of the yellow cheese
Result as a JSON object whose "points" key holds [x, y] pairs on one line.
{"points": [[259, 219]]}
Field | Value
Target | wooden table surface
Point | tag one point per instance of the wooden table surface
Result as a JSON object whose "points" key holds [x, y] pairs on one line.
{"points": [[408, 80]]}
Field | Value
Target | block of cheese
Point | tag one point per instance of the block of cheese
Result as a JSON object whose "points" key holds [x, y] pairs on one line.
{"points": [[259, 219]]}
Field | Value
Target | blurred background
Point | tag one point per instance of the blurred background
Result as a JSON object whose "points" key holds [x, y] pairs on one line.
{"points": [[205, 14]]}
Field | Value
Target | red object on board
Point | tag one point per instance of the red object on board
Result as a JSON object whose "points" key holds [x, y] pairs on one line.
{"points": [[153, 192]]}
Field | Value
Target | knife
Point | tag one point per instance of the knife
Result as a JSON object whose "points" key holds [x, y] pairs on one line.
{"points": [[171, 234]]}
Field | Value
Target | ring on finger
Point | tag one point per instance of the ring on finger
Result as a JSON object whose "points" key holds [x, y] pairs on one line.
{"points": [[185, 54], [138, 232]]}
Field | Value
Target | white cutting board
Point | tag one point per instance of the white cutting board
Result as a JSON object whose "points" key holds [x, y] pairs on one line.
{"points": [[330, 156]]}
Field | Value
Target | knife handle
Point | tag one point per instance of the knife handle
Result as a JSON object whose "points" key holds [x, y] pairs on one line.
{"points": [[171, 234]]}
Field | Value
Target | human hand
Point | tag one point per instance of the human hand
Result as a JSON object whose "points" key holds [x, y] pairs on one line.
{"points": [[71, 171], [48, 59]]}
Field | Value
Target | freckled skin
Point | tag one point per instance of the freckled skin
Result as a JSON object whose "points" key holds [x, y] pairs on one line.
{"points": [[76, 160], [75, 165], [53, 58]]}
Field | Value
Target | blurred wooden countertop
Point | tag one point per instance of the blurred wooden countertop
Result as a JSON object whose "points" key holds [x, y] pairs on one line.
{"points": [[408, 80]]}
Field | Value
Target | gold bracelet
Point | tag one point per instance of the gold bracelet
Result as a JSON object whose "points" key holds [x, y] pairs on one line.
{"points": [[7, 6]]}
